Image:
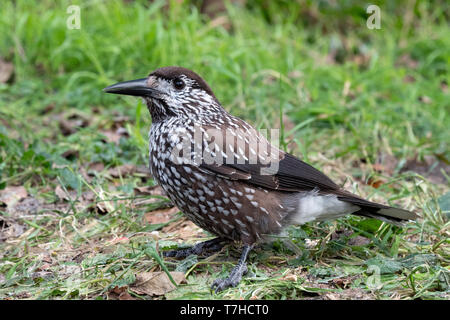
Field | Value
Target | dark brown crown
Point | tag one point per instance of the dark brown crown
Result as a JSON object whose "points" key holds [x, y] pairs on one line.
{"points": [[173, 72]]}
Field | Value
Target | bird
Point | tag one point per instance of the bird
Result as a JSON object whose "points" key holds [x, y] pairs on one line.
{"points": [[227, 177]]}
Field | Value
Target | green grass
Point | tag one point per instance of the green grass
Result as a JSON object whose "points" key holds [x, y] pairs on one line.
{"points": [[349, 96]]}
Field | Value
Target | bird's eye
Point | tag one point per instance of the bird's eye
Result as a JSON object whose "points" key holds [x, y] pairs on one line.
{"points": [[178, 84]]}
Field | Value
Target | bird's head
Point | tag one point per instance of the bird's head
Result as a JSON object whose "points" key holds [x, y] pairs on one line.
{"points": [[169, 92]]}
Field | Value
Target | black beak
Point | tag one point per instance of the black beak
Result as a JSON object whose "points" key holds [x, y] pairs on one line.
{"points": [[133, 88]]}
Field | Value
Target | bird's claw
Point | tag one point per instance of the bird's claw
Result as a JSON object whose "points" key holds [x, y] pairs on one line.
{"points": [[232, 281]]}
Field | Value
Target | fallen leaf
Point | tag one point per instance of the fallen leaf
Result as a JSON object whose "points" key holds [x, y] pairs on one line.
{"points": [[161, 215], [409, 79], [119, 293], [385, 163], [122, 170], [114, 136], [290, 277], [406, 60], [221, 21], [6, 71], [425, 99], [71, 124], [150, 190], [12, 230], [183, 229], [350, 238], [444, 86], [95, 167], [350, 294], [156, 283], [375, 183], [12, 195], [430, 168], [63, 195], [118, 240], [343, 282], [25, 206]]}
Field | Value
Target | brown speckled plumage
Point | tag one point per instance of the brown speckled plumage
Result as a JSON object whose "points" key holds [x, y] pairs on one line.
{"points": [[225, 176]]}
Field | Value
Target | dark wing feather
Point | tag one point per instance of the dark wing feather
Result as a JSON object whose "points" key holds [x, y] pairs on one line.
{"points": [[288, 173], [285, 172], [292, 175]]}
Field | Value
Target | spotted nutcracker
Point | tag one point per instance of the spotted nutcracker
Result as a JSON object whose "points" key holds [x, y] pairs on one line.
{"points": [[227, 177]]}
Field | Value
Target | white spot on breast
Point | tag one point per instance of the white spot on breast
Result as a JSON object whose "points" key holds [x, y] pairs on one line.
{"points": [[195, 200]]}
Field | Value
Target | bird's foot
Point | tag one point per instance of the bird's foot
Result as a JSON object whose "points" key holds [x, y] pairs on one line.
{"points": [[233, 279], [236, 274], [206, 247]]}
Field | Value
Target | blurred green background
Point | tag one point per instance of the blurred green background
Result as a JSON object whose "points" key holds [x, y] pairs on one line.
{"points": [[370, 107]]}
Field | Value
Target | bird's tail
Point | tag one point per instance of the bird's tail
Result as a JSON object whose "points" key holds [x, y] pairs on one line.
{"points": [[378, 211]]}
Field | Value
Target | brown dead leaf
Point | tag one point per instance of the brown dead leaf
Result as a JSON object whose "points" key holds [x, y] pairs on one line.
{"points": [[444, 86], [70, 124], [358, 241], [385, 163], [350, 294], [375, 183], [119, 293], [12, 195], [122, 170], [25, 206], [430, 168], [343, 282], [156, 283], [161, 215], [183, 229], [352, 240], [62, 195], [95, 167], [11, 230], [220, 21], [290, 277], [115, 135], [150, 190], [407, 61], [6, 71], [295, 74], [409, 79], [425, 99]]}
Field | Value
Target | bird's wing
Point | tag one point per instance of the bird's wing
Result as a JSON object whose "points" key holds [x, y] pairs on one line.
{"points": [[285, 172], [247, 155]]}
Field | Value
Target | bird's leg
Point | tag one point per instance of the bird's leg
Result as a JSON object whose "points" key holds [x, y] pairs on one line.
{"points": [[236, 274], [200, 248]]}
